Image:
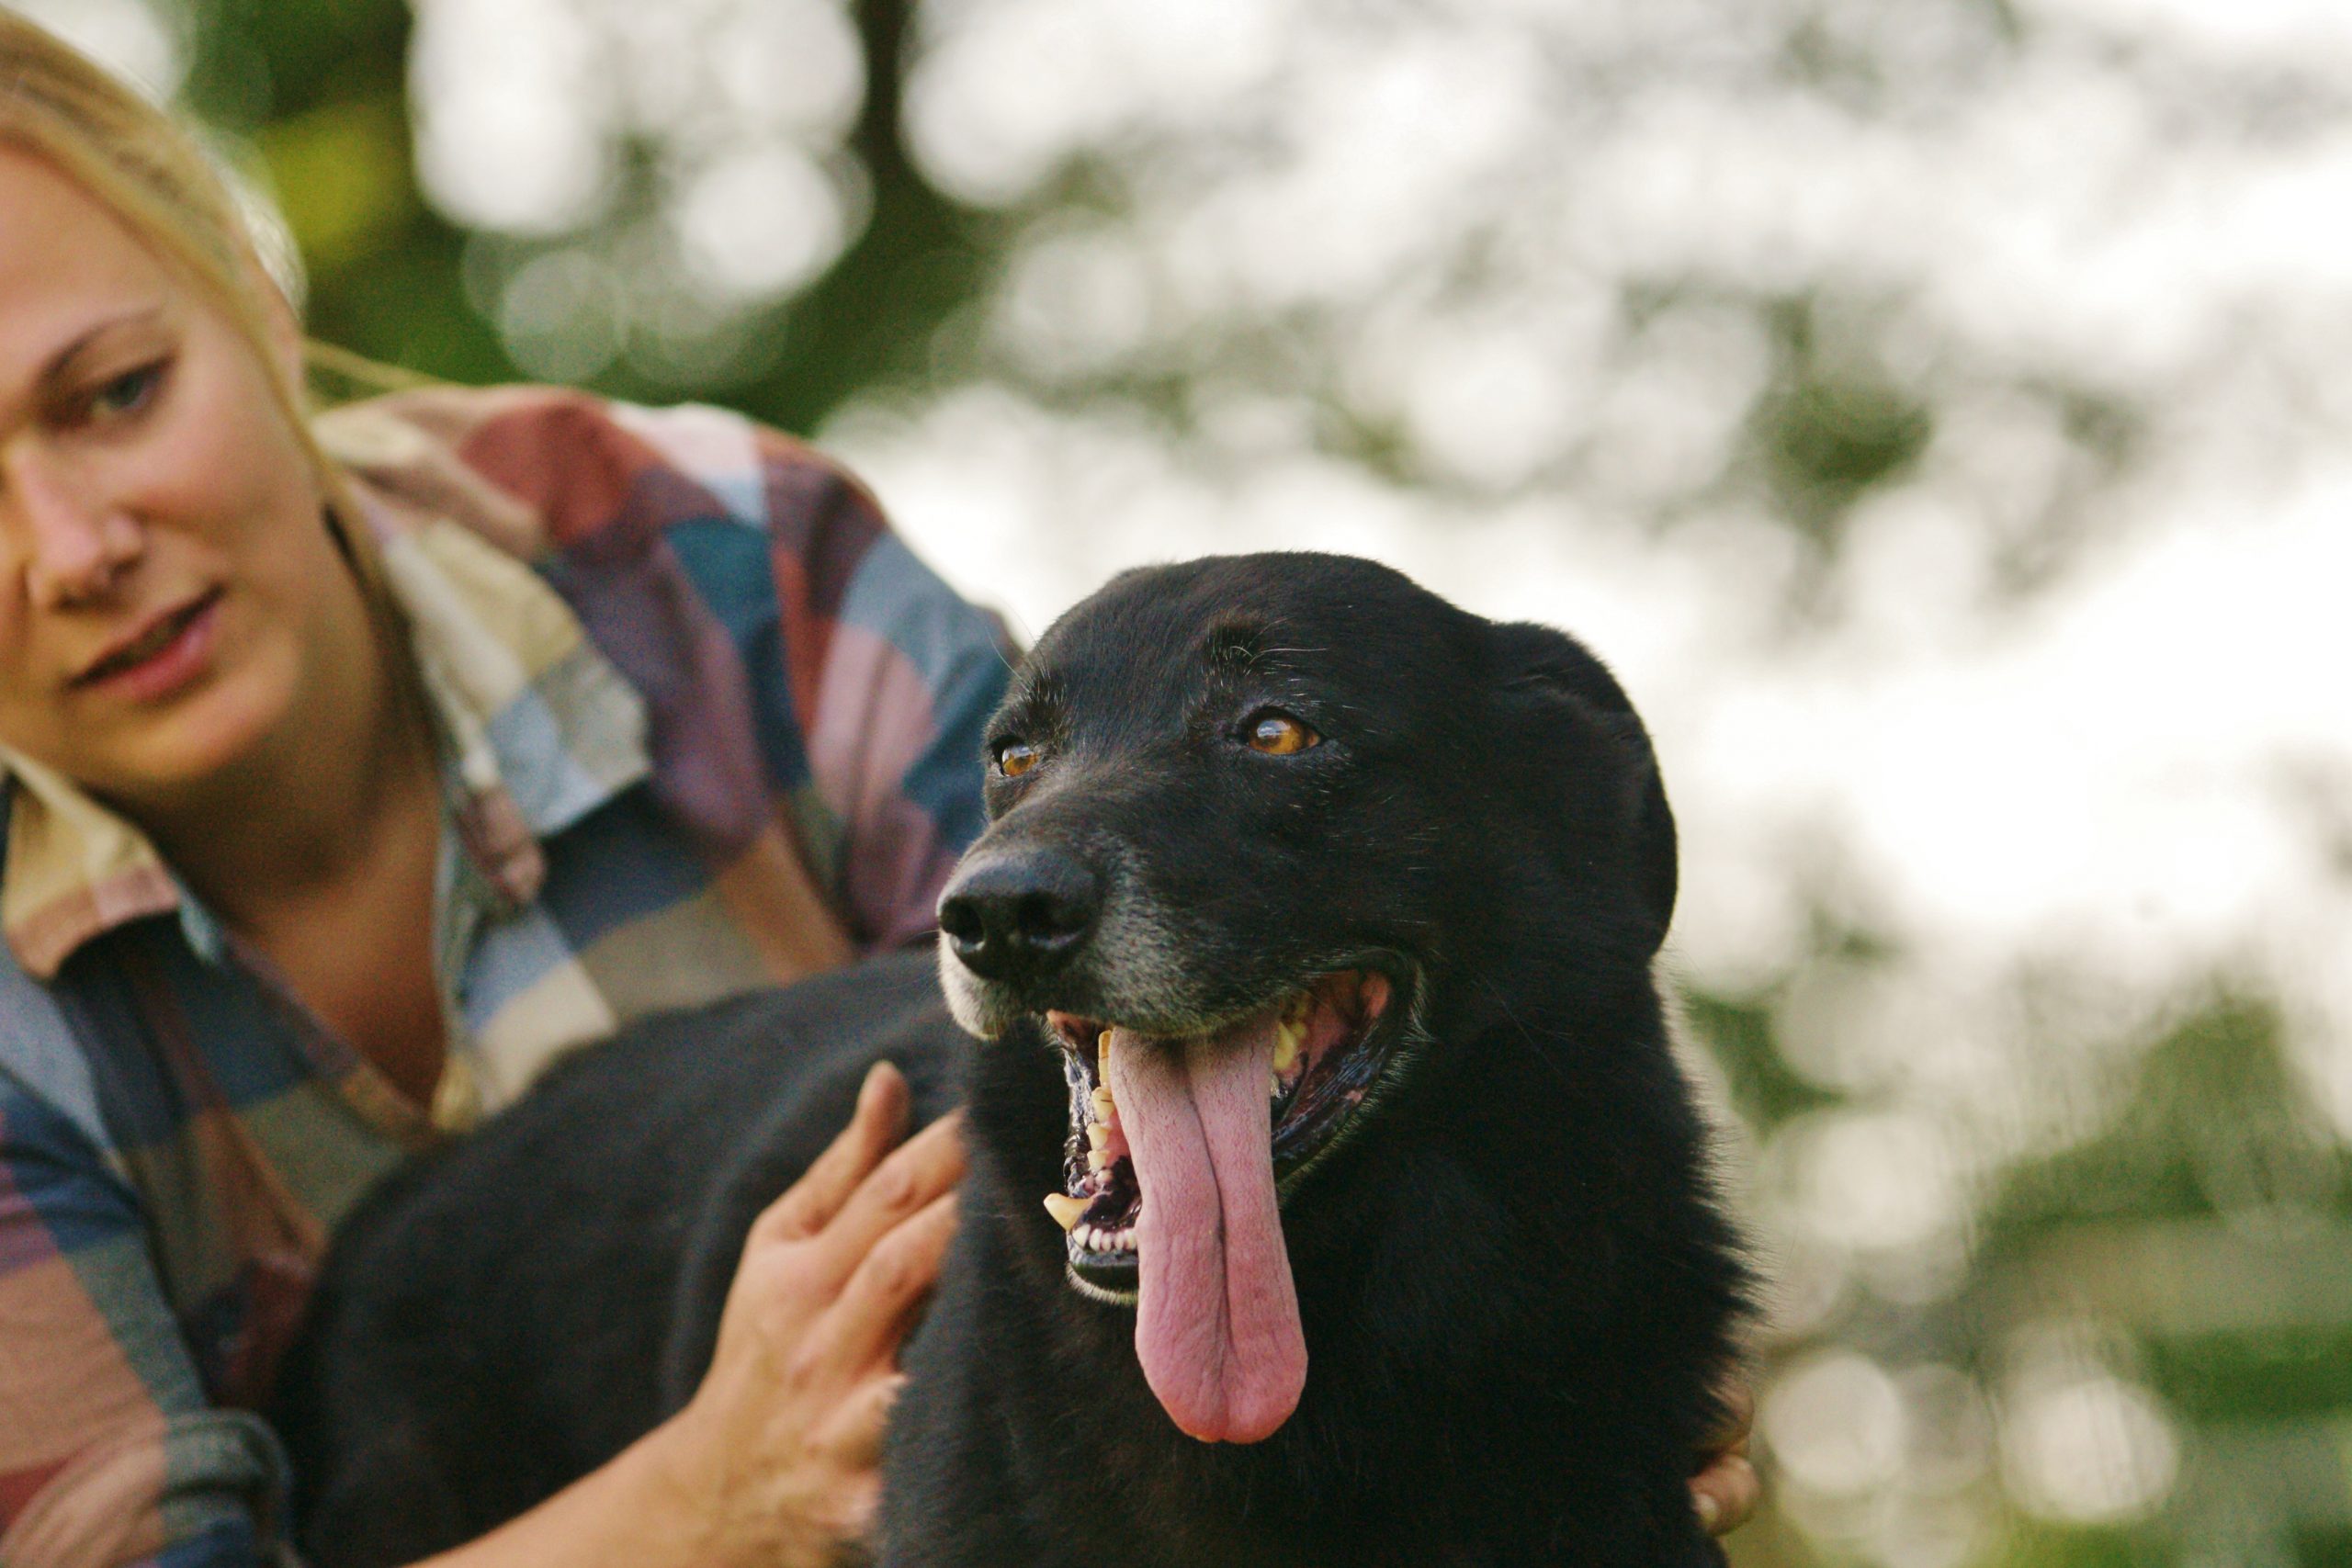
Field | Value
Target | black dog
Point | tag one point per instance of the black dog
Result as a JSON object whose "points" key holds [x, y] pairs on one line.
{"points": [[1310, 945]]}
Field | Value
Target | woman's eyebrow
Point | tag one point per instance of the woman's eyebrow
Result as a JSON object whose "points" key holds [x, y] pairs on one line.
{"points": [[59, 365]]}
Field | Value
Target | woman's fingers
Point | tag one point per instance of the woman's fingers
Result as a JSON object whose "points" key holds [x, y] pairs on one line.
{"points": [[872, 1314], [910, 1180], [1738, 1402], [874, 1128], [1728, 1491]]}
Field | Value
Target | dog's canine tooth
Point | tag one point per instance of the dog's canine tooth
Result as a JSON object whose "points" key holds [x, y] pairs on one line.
{"points": [[1065, 1209], [1287, 1035]]}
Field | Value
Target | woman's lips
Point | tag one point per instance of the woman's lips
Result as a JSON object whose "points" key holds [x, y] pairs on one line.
{"points": [[173, 654]]}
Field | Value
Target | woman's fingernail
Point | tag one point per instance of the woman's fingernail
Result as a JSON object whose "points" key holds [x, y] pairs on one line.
{"points": [[1709, 1512]]}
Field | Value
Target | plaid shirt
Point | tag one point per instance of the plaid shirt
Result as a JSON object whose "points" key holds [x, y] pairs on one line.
{"points": [[723, 659]]}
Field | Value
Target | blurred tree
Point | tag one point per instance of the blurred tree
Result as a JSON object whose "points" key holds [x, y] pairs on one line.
{"points": [[319, 92]]}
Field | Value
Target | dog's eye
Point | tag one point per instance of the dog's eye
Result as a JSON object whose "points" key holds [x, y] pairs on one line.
{"points": [[1014, 758], [1279, 735]]}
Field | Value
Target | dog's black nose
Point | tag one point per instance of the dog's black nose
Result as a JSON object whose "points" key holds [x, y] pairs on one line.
{"points": [[1019, 916]]}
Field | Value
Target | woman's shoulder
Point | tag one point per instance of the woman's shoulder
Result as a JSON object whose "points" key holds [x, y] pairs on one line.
{"points": [[547, 467]]}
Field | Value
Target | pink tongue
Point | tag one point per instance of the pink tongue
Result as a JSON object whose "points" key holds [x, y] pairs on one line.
{"points": [[1217, 1328]]}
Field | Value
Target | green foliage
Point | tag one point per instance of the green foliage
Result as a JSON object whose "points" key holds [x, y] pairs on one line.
{"points": [[2042, 1547], [2212, 1124], [1738, 1034], [1832, 427], [2289, 1371], [320, 91]]}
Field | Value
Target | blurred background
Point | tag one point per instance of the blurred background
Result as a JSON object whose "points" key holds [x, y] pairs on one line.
{"points": [[1936, 412]]}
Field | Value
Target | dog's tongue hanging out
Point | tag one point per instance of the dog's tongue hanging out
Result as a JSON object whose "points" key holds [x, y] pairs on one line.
{"points": [[1216, 1323]]}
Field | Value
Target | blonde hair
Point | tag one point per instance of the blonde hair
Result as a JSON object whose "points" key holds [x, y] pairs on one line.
{"points": [[137, 162]]}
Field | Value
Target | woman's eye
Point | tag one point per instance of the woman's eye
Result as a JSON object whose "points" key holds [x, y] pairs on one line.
{"points": [[1279, 735], [127, 394], [1014, 758]]}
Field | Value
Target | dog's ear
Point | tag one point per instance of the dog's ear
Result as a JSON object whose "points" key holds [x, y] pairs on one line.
{"points": [[1550, 684]]}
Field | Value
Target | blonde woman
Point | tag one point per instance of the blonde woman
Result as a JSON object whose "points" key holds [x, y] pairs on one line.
{"points": [[353, 767]]}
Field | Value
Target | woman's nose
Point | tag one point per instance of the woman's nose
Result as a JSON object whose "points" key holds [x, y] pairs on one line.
{"points": [[74, 545]]}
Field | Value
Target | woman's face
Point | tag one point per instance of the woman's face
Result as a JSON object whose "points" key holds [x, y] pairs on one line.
{"points": [[166, 586]]}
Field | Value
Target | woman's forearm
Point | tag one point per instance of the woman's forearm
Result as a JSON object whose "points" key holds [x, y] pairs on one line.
{"points": [[640, 1510]]}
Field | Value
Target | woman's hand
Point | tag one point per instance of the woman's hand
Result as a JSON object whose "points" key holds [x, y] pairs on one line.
{"points": [[1727, 1491], [777, 1453]]}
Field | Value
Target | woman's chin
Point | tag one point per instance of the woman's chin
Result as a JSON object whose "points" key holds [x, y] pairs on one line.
{"points": [[210, 736]]}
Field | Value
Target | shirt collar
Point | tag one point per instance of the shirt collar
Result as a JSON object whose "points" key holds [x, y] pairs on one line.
{"points": [[536, 726]]}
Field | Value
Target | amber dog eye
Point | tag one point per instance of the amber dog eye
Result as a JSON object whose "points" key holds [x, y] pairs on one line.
{"points": [[1279, 735], [1015, 758]]}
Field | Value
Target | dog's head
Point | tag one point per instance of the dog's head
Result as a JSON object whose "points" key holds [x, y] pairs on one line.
{"points": [[1247, 814]]}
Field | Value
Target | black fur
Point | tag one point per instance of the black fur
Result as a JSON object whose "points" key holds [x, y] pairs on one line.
{"points": [[1516, 1286]]}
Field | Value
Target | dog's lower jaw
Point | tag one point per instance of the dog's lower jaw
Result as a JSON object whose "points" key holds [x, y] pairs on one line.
{"points": [[1101, 1295]]}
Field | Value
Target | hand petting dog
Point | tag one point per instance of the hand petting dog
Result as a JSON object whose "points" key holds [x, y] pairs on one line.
{"points": [[780, 1447]]}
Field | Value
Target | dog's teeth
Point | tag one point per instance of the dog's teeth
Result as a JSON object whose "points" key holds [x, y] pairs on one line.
{"points": [[1287, 1034], [1099, 1137], [1097, 1160], [1106, 1110], [1274, 1086], [1065, 1209]]}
